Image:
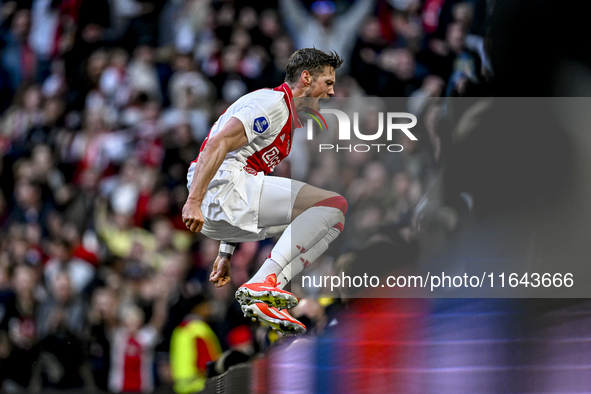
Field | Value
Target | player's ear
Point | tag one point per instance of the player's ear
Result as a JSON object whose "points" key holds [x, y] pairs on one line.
{"points": [[306, 78]]}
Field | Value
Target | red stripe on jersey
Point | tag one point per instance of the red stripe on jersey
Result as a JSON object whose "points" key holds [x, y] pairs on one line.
{"points": [[290, 104], [205, 141], [202, 146], [339, 226]]}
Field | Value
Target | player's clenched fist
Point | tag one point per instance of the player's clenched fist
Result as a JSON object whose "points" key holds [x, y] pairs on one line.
{"points": [[192, 216], [220, 274]]}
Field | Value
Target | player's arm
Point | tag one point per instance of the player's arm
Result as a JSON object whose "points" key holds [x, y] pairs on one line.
{"points": [[220, 274], [230, 138]]}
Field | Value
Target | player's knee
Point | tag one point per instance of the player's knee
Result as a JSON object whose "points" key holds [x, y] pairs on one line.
{"points": [[339, 202], [340, 225]]}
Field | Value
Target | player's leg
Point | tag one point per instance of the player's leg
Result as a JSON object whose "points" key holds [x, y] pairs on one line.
{"points": [[286, 323], [310, 256], [316, 213], [278, 196], [313, 213], [310, 196], [317, 219]]}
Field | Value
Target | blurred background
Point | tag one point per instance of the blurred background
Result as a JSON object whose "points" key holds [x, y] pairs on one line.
{"points": [[103, 105]]}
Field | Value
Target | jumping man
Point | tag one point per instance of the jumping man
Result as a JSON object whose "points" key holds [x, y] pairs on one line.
{"points": [[232, 199]]}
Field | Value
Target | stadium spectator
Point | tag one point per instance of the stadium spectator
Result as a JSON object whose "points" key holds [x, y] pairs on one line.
{"points": [[18, 59], [60, 321], [192, 345], [80, 272], [24, 115], [18, 336], [323, 29], [241, 347], [101, 318], [191, 97], [142, 28], [364, 56], [143, 73], [311, 313], [395, 73], [114, 83], [132, 350], [30, 207]]}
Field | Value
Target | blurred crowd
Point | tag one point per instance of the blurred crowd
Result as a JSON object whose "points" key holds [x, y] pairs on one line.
{"points": [[104, 104]]}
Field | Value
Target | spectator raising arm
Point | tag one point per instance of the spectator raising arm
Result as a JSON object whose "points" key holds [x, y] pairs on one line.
{"points": [[324, 29], [295, 17]]}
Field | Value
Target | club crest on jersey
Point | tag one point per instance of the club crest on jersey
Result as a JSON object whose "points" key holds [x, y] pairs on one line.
{"points": [[260, 124]]}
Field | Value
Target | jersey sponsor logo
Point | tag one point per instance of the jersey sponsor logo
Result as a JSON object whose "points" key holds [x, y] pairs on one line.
{"points": [[271, 157], [260, 124]]}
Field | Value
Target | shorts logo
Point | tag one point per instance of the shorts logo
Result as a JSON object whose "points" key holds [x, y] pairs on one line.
{"points": [[260, 124], [251, 171]]}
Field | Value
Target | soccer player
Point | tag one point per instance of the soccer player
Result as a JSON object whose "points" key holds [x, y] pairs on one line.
{"points": [[232, 199]]}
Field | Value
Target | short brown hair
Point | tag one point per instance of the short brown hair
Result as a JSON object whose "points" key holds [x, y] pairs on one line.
{"points": [[311, 59]]}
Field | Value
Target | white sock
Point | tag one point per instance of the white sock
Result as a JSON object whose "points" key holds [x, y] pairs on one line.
{"points": [[308, 229], [269, 267], [303, 261], [284, 276]]}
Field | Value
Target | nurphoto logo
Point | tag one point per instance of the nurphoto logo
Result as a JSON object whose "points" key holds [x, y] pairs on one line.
{"points": [[392, 120]]}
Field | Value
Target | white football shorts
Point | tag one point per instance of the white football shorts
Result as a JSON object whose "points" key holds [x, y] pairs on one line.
{"points": [[239, 206]]}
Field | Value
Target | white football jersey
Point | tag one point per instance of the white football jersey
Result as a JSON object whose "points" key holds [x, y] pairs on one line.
{"points": [[269, 117]]}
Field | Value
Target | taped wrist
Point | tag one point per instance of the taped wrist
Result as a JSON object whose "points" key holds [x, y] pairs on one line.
{"points": [[227, 249]]}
